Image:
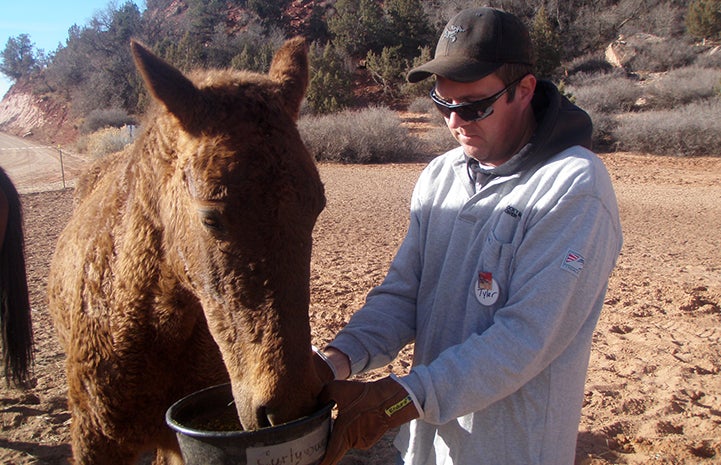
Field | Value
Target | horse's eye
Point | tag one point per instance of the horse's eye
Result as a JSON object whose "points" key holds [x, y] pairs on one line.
{"points": [[211, 220]]}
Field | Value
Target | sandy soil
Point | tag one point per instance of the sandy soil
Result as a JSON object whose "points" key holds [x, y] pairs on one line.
{"points": [[653, 394]]}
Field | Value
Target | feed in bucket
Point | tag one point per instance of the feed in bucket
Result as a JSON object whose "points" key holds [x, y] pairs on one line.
{"points": [[208, 432]]}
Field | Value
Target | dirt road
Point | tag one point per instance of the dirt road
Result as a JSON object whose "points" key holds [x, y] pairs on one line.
{"points": [[34, 167]]}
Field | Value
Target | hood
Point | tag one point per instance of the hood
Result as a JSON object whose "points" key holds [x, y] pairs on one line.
{"points": [[561, 125]]}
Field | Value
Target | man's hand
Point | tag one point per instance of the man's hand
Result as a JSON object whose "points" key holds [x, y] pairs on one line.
{"points": [[365, 412]]}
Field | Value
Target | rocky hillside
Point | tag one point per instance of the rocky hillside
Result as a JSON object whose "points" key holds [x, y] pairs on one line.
{"points": [[43, 117]]}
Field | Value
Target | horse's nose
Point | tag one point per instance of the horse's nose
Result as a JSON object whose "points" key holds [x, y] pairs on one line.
{"points": [[264, 416], [267, 417]]}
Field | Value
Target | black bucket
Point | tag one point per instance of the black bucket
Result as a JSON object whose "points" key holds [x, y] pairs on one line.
{"points": [[208, 431]]}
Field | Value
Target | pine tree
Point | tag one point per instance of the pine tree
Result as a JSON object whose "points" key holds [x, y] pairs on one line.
{"points": [[703, 19], [546, 44]]}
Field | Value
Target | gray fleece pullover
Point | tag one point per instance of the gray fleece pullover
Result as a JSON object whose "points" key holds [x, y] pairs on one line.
{"points": [[500, 290]]}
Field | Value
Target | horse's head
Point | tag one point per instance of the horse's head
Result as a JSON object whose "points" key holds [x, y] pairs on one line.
{"points": [[238, 200]]}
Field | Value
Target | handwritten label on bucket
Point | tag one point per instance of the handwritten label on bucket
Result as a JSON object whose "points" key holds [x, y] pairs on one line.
{"points": [[308, 450]]}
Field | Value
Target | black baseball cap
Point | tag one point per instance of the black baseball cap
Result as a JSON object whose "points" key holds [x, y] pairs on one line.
{"points": [[475, 43]]}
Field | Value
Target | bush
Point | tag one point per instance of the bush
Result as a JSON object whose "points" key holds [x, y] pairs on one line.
{"points": [[422, 88], [439, 140], [605, 93], [603, 126], [709, 59], [546, 44], [590, 63], [104, 118], [661, 56], [703, 19], [330, 86], [683, 86], [372, 135], [387, 69], [694, 129], [105, 141], [422, 105]]}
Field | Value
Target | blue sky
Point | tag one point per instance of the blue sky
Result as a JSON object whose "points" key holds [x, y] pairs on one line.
{"points": [[47, 22]]}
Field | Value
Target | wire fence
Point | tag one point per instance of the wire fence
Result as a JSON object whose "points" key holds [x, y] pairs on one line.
{"points": [[38, 168]]}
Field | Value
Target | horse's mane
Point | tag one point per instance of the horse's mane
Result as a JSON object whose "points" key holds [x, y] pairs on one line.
{"points": [[15, 322]]}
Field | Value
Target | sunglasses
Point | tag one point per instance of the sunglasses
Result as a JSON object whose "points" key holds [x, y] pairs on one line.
{"points": [[471, 111]]}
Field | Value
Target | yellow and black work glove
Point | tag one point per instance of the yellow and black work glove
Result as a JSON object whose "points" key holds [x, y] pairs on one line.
{"points": [[365, 412]]}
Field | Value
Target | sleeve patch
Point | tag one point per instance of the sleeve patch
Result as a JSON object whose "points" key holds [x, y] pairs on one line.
{"points": [[573, 262]]}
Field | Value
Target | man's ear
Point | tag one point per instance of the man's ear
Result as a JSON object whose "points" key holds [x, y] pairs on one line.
{"points": [[526, 87]]}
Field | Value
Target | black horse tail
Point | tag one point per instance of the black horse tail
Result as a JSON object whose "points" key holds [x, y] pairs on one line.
{"points": [[15, 318]]}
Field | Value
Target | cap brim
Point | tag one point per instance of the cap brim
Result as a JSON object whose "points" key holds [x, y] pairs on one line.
{"points": [[459, 69]]}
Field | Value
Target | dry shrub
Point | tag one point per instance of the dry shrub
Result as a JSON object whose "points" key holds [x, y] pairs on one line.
{"points": [[590, 63], [661, 56], [440, 140], [682, 86], [694, 129], [104, 118], [371, 135], [422, 105], [605, 93], [105, 141], [709, 59], [603, 131]]}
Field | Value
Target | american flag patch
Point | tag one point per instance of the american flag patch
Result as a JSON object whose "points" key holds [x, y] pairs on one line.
{"points": [[573, 262]]}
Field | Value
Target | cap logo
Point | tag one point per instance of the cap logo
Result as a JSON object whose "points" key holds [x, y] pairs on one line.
{"points": [[451, 32]]}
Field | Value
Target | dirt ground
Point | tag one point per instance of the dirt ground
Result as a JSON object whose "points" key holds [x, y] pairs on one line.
{"points": [[653, 394]]}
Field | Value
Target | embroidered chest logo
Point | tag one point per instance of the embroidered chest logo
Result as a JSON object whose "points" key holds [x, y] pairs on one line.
{"points": [[573, 262], [451, 32], [486, 289], [513, 211]]}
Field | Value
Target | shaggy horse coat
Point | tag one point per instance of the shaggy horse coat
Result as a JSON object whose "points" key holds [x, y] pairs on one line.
{"points": [[15, 319], [186, 262]]}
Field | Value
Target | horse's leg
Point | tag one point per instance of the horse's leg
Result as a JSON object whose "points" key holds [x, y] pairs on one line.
{"points": [[92, 447], [168, 451], [94, 439]]}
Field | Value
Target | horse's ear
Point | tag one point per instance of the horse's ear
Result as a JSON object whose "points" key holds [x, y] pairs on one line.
{"points": [[290, 69], [167, 84]]}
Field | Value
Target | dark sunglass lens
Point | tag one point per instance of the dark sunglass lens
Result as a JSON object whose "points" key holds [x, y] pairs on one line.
{"points": [[445, 111], [469, 113], [472, 111]]}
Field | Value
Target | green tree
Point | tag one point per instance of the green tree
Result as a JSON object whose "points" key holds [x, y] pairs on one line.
{"points": [[329, 89], [703, 19], [546, 44], [388, 68], [358, 26], [186, 53], [204, 16], [271, 12], [95, 69], [18, 57], [409, 24], [422, 88]]}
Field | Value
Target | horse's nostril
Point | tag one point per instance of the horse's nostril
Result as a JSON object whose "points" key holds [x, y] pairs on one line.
{"points": [[264, 417]]}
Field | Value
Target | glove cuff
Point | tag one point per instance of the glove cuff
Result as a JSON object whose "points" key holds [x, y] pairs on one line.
{"points": [[412, 396]]}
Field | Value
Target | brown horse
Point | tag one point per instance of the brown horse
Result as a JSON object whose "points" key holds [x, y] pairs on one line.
{"points": [[187, 261], [15, 320]]}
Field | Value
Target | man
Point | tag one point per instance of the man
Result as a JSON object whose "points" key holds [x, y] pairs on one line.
{"points": [[500, 279]]}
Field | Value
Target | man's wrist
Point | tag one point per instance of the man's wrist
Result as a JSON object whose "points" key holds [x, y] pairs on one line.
{"points": [[339, 361]]}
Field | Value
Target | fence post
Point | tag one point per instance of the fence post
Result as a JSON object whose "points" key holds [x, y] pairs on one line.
{"points": [[62, 168]]}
